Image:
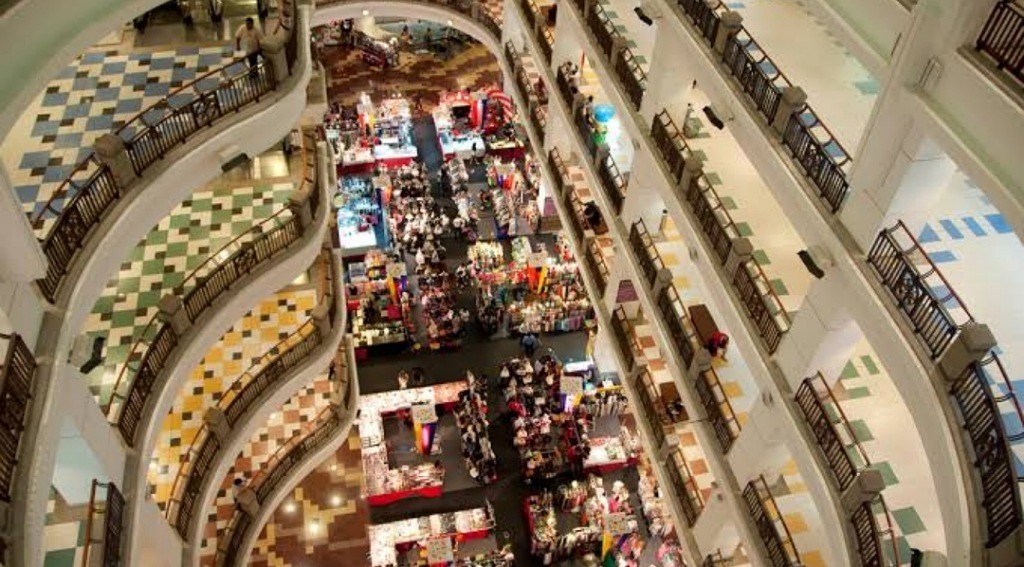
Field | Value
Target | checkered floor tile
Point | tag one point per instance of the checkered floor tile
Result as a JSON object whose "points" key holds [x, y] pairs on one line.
{"points": [[95, 94], [64, 532], [179, 245], [294, 418], [273, 320]]}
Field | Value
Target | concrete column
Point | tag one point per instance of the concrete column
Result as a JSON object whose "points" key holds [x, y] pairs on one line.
{"points": [[248, 502], [727, 28], [111, 151], [713, 520], [693, 168], [740, 253], [792, 99], [217, 421], [316, 90], [662, 281], [971, 345], [299, 203], [320, 317], [760, 448], [823, 335], [604, 345], [643, 199], [172, 312], [275, 56], [700, 363], [668, 84], [21, 256], [866, 486]]}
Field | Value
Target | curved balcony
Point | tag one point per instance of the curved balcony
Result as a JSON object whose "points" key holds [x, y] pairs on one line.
{"points": [[248, 403], [289, 465]]}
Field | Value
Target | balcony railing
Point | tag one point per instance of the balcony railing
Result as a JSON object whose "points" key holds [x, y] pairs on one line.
{"points": [[712, 216], [632, 76], [530, 11], [613, 183], [873, 528], [983, 395], [108, 509], [907, 271], [577, 222], [625, 337], [671, 144], [819, 154], [771, 527], [654, 407], [16, 378], [565, 87], [280, 467], [685, 488], [815, 149], [762, 304], [209, 281], [715, 559], [646, 251], [681, 331], [831, 429], [598, 266], [561, 173], [546, 42], [79, 204], [1002, 38], [603, 29], [589, 135], [538, 118], [718, 408]]}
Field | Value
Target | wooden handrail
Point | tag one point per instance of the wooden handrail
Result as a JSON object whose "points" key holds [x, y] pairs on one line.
{"points": [[685, 487], [716, 404], [651, 263], [681, 331], [771, 526], [598, 265], [16, 381], [670, 142], [113, 524], [762, 304], [603, 29], [625, 335], [712, 216], [1002, 36]]}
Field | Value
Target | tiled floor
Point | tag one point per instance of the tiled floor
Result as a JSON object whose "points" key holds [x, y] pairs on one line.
{"points": [[64, 533], [838, 87], [180, 244], [801, 517], [273, 320], [330, 495], [95, 94], [880, 421], [294, 418], [979, 254], [619, 143]]}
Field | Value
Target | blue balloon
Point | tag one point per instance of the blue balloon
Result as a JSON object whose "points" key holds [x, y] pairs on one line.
{"points": [[604, 112]]}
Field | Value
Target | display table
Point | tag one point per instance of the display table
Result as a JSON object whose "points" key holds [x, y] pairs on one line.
{"points": [[357, 160], [387, 540], [388, 155], [506, 150], [607, 454], [461, 145]]}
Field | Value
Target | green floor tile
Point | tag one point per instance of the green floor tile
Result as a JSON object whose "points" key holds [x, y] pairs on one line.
{"points": [[729, 203], [910, 523], [744, 229], [855, 457], [861, 430], [713, 178], [860, 392], [60, 558], [779, 287], [869, 364], [849, 371], [761, 257], [902, 546], [885, 469], [700, 153]]}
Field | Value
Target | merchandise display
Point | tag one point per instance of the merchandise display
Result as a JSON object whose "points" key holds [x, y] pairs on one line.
{"points": [[385, 485], [359, 217], [368, 136], [377, 302], [388, 540]]}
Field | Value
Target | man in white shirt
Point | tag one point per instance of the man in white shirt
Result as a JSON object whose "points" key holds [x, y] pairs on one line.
{"points": [[252, 37]]}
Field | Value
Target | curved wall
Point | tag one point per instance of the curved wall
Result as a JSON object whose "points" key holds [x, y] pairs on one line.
{"points": [[253, 420]]}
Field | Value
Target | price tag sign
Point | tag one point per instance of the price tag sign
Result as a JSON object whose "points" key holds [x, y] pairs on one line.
{"points": [[617, 524], [424, 413], [395, 270], [440, 551], [572, 385], [536, 259]]}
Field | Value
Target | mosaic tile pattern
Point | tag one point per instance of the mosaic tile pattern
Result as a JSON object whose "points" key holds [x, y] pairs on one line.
{"points": [[64, 533], [282, 426], [184, 240], [95, 94], [270, 322], [331, 495]]}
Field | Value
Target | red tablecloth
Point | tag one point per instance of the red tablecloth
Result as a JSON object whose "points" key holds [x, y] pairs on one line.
{"points": [[508, 154], [395, 162], [385, 499], [356, 168], [602, 469]]}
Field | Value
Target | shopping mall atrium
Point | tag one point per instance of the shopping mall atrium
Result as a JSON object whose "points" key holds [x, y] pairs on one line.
{"points": [[512, 283]]}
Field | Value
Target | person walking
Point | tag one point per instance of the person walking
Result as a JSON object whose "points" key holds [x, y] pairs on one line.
{"points": [[403, 379], [251, 36], [529, 342]]}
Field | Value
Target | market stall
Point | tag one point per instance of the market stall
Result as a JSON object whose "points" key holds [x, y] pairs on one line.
{"points": [[360, 219], [378, 302], [371, 136], [389, 541]]}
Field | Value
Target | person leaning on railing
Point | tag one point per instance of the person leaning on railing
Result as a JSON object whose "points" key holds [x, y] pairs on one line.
{"points": [[252, 36]]}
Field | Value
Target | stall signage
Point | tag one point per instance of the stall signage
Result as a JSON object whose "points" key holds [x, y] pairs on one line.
{"points": [[617, 524], [440, 551], [572, 385], [424, 413]]}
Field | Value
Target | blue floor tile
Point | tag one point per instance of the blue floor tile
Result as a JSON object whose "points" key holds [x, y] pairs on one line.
{"points": [[942, 256], [951, 229], [973, 226], [928, 235], [999, 223]]}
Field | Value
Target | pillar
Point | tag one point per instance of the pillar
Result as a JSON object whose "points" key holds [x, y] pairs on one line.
{"points": [[728, 27], [111, 151], [217, 422], [171, 311], [693, 168], [971, 345], [248, 502], [760, 448], [741, 251], [275, 56], [717, 514], [300, 205], [643, 199], [701, 362], [866, 486], [791, 100], [823, 334], [21, 256], [668, 84]]}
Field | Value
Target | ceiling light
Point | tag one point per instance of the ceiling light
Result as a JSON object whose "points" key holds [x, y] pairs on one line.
{"points": [[366, 12], [314, 526], [449, 22], [289, 507], [336, 500]]}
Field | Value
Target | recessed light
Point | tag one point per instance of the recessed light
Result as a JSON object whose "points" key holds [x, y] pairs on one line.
{"points": [[336, 500], [449, 22], [366, 12], [289, 507]]}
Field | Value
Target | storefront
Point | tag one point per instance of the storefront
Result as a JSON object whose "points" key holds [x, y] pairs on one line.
{"points": [[360, 216]]}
